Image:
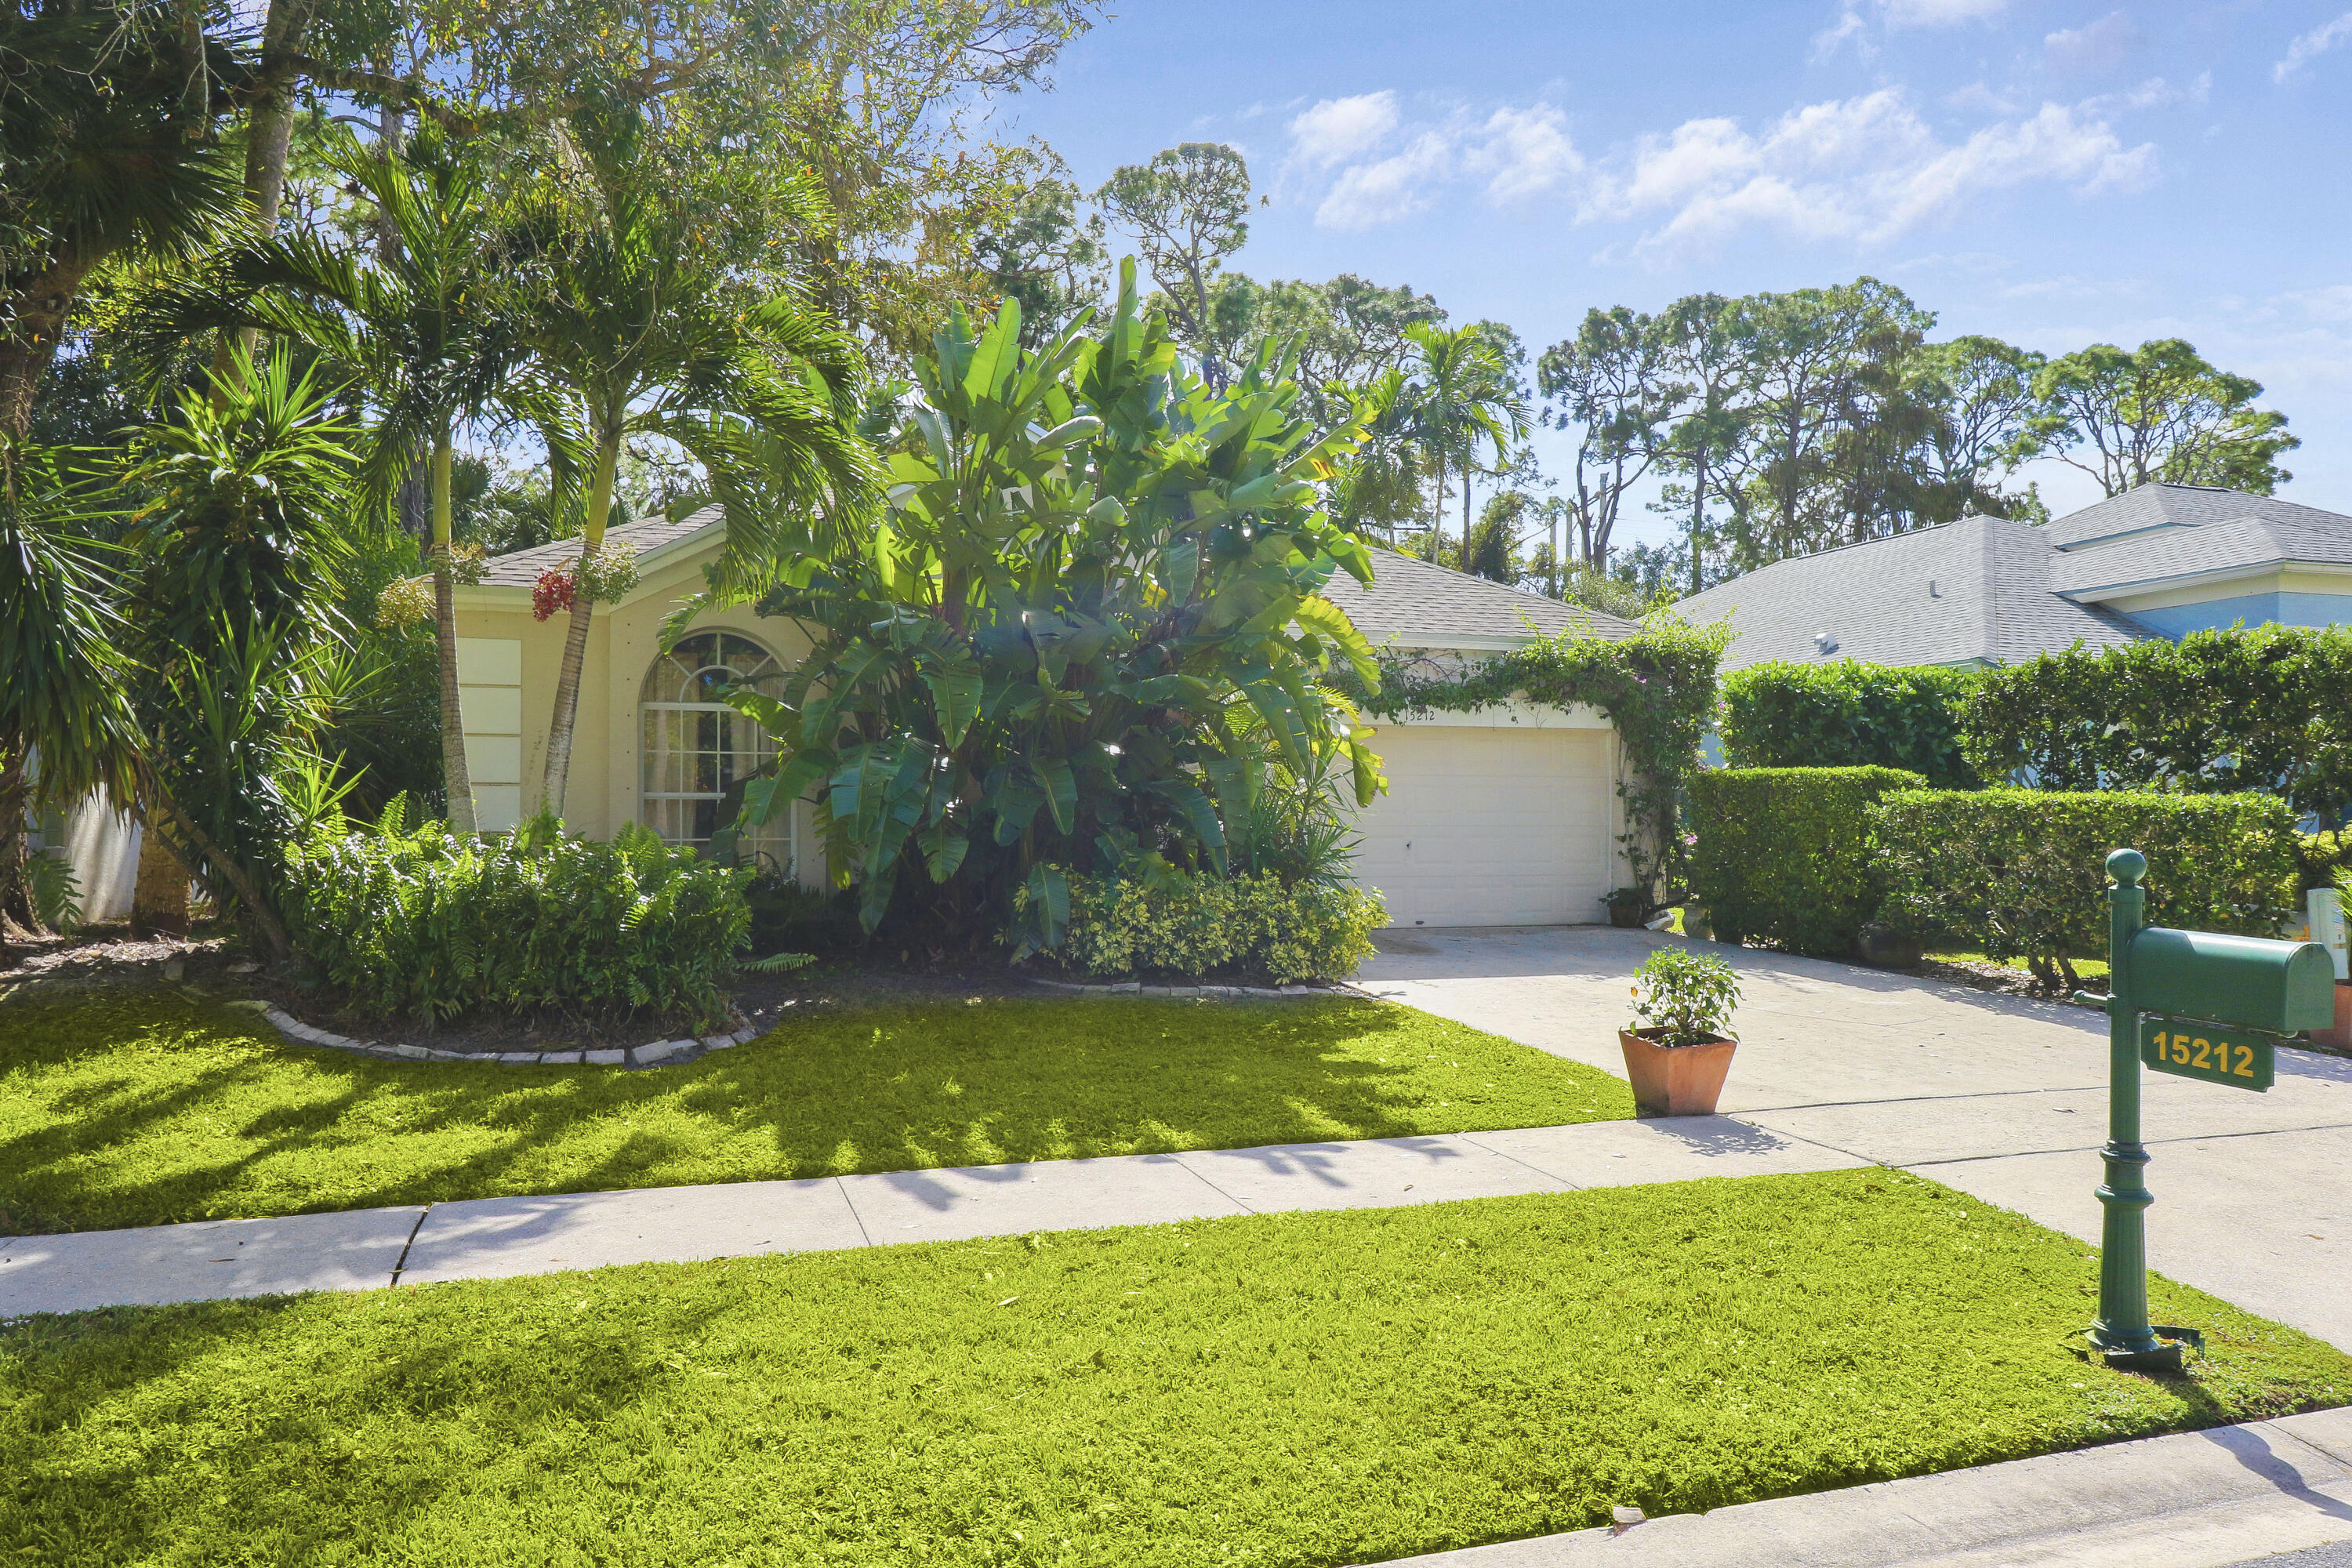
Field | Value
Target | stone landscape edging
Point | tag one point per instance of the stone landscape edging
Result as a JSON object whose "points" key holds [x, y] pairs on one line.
{"points": [[653, 1053], [674, 1053], [1138, 988]]}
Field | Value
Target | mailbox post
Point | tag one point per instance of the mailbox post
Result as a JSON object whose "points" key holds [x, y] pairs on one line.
{"points": [[2196, 1004]]}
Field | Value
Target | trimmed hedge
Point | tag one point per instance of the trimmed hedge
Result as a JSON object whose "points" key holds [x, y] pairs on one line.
{"points": [[428, 923], [1187, 925], [1784, 854], [1848, 714], [2016, 873], [2264, 709]]}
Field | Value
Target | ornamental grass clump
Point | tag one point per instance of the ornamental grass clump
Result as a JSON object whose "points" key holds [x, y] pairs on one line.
{"points": [[1683, 998], [428, 923]]}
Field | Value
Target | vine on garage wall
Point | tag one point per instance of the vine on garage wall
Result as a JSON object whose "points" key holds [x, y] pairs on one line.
{"points": [[1657, 688]]}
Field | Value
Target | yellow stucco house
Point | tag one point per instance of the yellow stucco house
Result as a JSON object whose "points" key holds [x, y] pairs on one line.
{"points": [[1506, 816], [651, 742]]}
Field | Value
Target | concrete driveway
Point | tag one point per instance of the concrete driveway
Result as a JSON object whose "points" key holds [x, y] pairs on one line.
{"points": [[1998, 1096]]}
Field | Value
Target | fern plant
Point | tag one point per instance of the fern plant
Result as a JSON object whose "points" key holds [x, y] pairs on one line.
{"points": [[426, 923]]}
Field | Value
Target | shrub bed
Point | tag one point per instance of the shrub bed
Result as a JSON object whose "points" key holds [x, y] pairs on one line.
{"points": [[428, 924], [2015, 873], [1180, 924], [1849, 714], [1784, 854]]}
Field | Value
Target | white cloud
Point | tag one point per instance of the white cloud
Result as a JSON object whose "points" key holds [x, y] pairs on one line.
{"points": [[2317, 42], [2098, 46], [1524, 153], [1864, 169], [1338, 129], [1938, 13], [2331, 304], [1897, 15], [1391, 188], [1517, 153]]}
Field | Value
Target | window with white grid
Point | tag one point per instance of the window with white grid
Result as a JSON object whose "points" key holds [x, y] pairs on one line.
{"points": [[697, 751]]}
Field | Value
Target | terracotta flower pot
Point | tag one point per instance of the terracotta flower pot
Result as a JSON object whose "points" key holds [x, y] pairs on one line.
{"points": [[1675, 1080]]}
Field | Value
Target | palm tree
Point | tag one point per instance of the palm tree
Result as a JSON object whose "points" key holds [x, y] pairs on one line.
{"points": [[107, 133], [423, 325], [1380, 485], [60, 676], [1465, 396], [631, 337]]}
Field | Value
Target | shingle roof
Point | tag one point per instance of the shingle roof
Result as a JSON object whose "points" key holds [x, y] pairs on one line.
{"points": [[1417, 602], [2245, 542], [1410, 598], [521, 568], [2106, 524], [1978, 589]]}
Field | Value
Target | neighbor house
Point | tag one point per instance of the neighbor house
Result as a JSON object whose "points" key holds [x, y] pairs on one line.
{"points": [[2158, 561], [1506, 816]]}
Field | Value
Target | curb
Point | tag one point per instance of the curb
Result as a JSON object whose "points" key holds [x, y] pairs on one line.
{"points": [[1137, 988], [653, 1053]]}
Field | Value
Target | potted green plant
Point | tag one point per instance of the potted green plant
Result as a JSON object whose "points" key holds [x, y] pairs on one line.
{"points": [[1628, 907], [1678, 1047]]}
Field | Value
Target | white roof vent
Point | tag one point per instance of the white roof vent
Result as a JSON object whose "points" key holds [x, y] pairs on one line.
{"points": [[1825, 642]]}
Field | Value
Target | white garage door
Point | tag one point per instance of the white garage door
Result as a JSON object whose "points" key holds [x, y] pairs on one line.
{"points": [[1490, 826]]}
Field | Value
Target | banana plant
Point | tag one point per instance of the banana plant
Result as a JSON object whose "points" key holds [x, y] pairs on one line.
{"points": [[1088, 622]]}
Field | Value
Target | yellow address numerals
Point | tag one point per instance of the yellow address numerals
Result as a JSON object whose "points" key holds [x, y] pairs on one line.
{"points": [[2184, 1050]]}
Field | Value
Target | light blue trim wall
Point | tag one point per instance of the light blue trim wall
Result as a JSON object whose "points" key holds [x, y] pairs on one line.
{"points": [[2176, 621]]}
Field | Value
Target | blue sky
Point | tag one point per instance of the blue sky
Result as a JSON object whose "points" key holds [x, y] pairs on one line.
{"points": [[2052, 173]]}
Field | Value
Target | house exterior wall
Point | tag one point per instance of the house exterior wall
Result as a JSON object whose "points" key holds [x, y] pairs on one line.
{"points": [[497, 634], [2287, 598]]}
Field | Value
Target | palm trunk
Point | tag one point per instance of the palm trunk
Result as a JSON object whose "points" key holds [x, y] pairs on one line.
{"points": [[456, 783], [159, 900], [15, 868], [575, 642], [269, 131], [163, 811], [30, 343]]}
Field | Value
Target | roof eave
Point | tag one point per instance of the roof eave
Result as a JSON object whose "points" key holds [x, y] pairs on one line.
{"points": [[2237, 573]]}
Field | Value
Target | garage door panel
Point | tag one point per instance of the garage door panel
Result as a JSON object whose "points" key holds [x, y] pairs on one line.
{"points": [[1490, 826]]}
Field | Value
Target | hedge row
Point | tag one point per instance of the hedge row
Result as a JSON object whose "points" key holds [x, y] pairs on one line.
{"points": [[1848, 715], [2265, 710], [1783, 854], [1805, 857]]}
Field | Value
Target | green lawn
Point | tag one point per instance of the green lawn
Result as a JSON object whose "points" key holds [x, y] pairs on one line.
{"points": [[1289, 1389], [140, 1110]]}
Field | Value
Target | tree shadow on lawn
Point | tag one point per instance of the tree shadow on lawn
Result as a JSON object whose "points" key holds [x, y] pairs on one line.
{"points": [[246, 1126], [779, 1407]]}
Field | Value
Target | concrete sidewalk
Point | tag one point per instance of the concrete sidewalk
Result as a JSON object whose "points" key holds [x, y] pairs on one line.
{"points": [[494, 1238], [2197, 1499]]}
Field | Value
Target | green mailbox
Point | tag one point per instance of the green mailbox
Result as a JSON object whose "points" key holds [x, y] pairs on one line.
{"points": [[2279, 987], [2196, 1004]]}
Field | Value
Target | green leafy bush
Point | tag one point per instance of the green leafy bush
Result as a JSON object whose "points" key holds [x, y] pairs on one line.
{"points": [[2015, 873], [1178, 924], [2265, 708], [1849, 715], [1091, 566], [2324, 856], [1685, 998], [426, 923], [1784, 854]]}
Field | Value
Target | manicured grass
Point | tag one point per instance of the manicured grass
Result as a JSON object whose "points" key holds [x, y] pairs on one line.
{"points": [[1296, 1389], [138, 1110]]}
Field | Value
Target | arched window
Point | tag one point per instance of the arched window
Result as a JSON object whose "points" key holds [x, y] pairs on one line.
{"points": [[697, 751]]}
